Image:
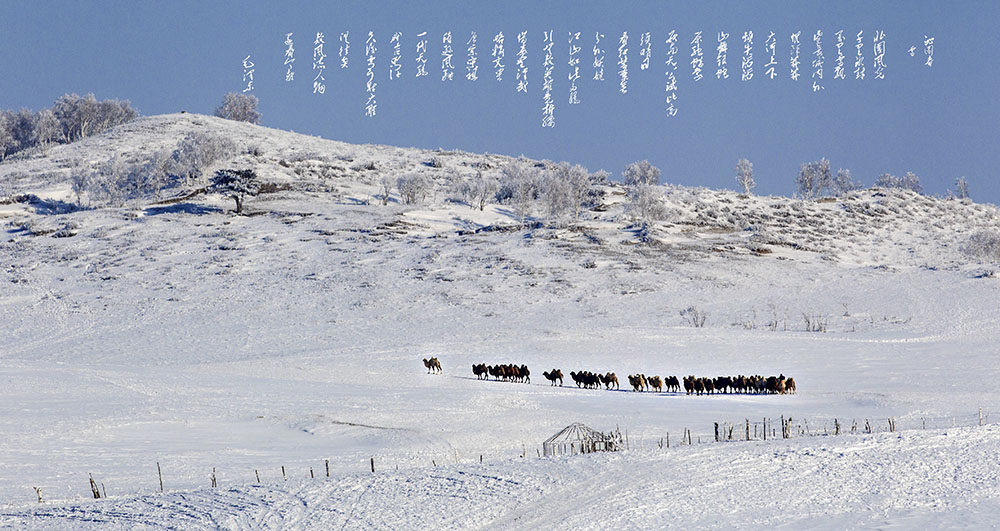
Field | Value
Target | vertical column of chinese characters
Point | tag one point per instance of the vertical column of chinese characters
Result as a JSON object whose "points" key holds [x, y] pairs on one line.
{"points": [[929, 50], [549, 105], [370, 83], [522, 64], [859, 61], [471, 68], [623, 62], [671, 73], [794, 63], [598, 57], [746, 66], [248, 74], [645, 50], [447, 69], [771, 47], [722, 71], [838, 69], [817, 62], [697, 57], [289, 58], [319, 64], [345, 48], [396, 63], [574, 66], [498, 56], [421, 54], [879, 52]]}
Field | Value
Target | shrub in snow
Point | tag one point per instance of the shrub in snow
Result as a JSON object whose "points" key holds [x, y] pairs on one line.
{"points": [[694, 317], [744, 175], [240, 107], [641, 172], [413, 187], [983, 245], [236, 184]]}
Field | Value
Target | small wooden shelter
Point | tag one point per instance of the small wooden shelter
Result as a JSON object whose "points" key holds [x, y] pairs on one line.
{"points": [[578, 438]]}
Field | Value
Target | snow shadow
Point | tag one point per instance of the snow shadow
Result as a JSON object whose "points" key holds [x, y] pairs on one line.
{"points": [[182, 208]]}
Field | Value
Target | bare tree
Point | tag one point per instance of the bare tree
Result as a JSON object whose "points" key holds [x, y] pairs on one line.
{"points": [[240, 107], [813, 178], [744, 175]]}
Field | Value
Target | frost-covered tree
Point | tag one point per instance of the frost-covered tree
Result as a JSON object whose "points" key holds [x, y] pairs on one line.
{"points": [[962, 188], [23, 130], [641, 172], [578, 180], [519, 187], [909, 181], [240, 107], [80, 184], [645, 203], [481, 189], [196, 152], [744, 175], [887, 180], [83, 116], [844, 183], [813, 178], [6, 134], [556, 194], [236, 184], [413, 187], [47, 128], [385, 187]]}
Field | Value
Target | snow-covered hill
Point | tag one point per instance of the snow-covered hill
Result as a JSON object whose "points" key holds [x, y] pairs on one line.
{"points": [[171, 331]]}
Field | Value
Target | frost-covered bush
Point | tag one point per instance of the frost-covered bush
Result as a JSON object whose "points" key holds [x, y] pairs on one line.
{"points": [[239, 107], [908, 181], [520, 185], [413, 187], [983, 245]]}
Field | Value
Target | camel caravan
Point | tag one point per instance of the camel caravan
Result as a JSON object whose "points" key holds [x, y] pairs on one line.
{"points": [[775, 385], [507, 373], [759, 385]]}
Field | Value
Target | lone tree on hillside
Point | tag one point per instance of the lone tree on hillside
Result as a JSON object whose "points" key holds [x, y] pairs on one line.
{"points": [[744, 175], [239, 107], [236, 184]]}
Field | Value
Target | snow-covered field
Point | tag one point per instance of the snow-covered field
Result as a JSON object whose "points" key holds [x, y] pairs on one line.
{"points": [[183, 335]]}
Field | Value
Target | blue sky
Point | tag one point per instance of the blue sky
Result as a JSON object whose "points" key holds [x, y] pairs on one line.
{"points": [[939, 122]]}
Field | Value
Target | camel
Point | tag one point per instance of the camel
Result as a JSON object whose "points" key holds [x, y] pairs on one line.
{"points": [[790, 386], [655, 383], [479, 370], [556, 374], [608, 379], [433, 365], [672, 384]]}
